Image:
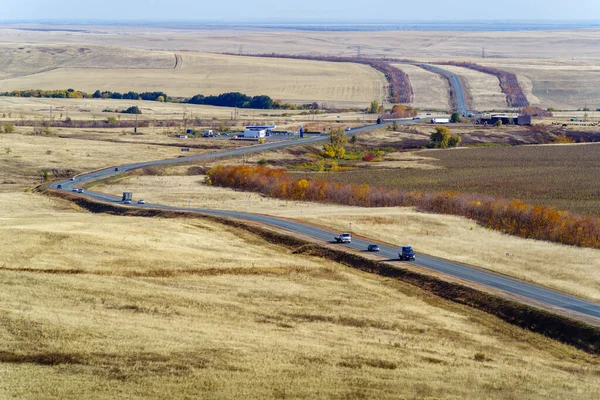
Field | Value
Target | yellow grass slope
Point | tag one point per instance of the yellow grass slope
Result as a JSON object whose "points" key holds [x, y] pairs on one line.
{"points": [[98, 307], [535, 261]]}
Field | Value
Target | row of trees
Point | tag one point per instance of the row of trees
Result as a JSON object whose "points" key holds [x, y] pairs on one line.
{"points": [[78, 94], [512, 217], [234, 99]]}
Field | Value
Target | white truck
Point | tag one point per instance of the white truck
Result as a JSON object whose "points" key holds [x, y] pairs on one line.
{"points": [[440, 120], [208, 133], [343, 238]]}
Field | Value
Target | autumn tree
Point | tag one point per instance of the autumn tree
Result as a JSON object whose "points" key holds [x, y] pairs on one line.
{"points": [[335, 147], [374, 107]]}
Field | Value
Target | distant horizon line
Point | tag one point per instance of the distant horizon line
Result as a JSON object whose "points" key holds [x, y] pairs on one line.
{"points": [[330, 25], [217, 21]]}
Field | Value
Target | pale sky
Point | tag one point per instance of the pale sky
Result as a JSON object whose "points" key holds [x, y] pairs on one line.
{"points": [[340, 10]]}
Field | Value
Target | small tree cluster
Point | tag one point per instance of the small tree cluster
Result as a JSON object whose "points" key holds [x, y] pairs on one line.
{"points": [[8, 128], [335, 147], [442, 139]]}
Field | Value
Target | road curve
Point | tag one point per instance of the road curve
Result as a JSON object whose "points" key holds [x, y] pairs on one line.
{"points": [[547, 297], [461, 104]]}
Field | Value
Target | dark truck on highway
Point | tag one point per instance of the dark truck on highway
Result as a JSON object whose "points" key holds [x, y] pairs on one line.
{"points": [[406, 253]]}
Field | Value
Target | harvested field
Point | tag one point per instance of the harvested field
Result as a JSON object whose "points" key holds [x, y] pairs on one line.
{"points": [[20, 60], [483, 89], [431, 91], [535, 261], [559, 84], [295, 81], [551, 175], [158, 311], [422, 45]]}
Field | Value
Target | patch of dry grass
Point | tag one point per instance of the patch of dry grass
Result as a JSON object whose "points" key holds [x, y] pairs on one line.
{"points": [[318, 331], [22, 167], [431, 91], [565, 268]]}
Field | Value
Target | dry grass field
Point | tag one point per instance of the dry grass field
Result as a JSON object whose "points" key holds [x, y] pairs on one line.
{"points": [[535, 261], [423, 45], [557, 83], [27, 108], [556, 68], [551, 175], [21, 60], [483, 90], [295, 81], [21, 168], [99, 307], [431, 91]]}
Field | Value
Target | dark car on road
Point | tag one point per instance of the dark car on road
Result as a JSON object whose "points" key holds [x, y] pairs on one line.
{"points": [[373, 247], [406, 253]]}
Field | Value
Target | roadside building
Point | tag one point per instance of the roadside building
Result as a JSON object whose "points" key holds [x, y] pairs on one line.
{"points": [[258, 131], [506, 119]]}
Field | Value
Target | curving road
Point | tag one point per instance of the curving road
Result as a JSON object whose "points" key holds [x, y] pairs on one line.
{"points": [[544, 296], [461, 104]]}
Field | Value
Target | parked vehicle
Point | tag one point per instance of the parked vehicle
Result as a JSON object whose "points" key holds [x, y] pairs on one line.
{"points": [[208, 133], [59, 186], [406, 253], [373, 247], [74, 190], [73, 178], [440, 120], [141, 202], [116, 168], [79, 190], [127, 202], [343, 238]]}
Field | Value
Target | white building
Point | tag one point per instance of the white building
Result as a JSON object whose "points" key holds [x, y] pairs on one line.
{"points": [[258, 131]]}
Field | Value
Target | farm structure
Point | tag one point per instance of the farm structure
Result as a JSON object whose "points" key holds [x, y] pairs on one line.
{"points": [[506, 119], [258, 131]]}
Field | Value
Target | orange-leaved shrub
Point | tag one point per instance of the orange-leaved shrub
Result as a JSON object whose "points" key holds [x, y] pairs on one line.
{"points": [[510, 216]]}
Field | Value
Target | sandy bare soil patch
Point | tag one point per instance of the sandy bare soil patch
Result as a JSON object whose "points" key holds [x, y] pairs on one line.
{"points": [[431, 91], [566, 268], [100, 306]]}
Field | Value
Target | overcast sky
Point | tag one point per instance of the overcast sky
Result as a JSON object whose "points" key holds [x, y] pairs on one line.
{"points": [[343, 10]]}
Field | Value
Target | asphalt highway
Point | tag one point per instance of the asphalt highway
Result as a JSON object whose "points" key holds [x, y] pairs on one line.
{"points": [[548, 297], [456, 86]]}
